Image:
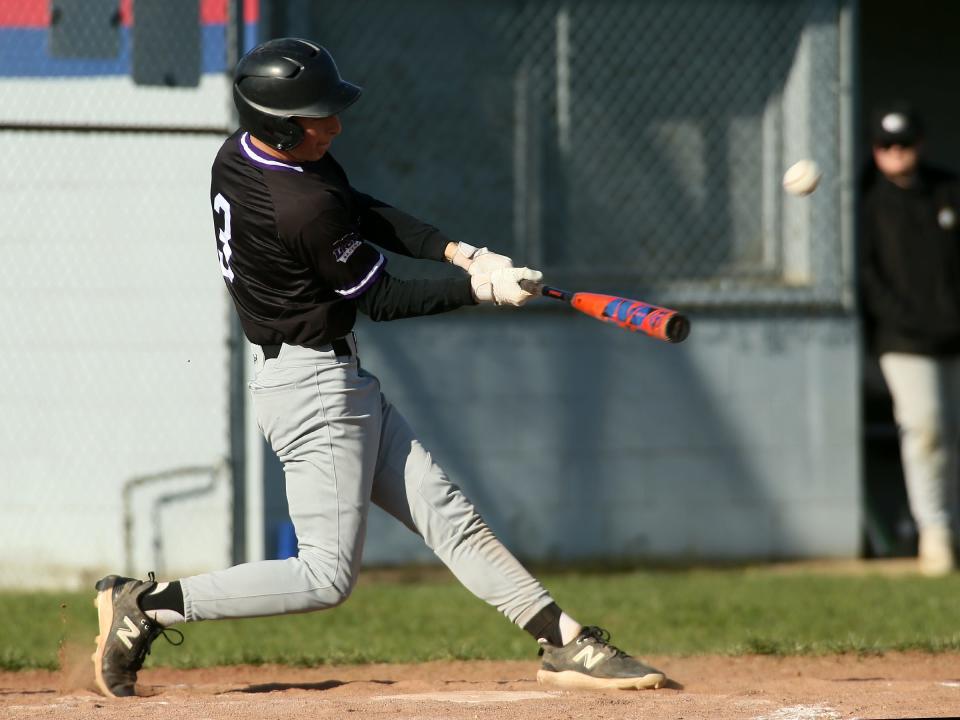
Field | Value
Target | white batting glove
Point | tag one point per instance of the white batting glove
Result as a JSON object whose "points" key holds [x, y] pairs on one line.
{"points": [[478, 261], [485, 262], [502, 286]]}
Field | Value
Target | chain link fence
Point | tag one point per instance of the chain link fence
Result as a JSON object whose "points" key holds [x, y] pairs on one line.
{"points": [[116, 327], [630, 146], [626, 147]]}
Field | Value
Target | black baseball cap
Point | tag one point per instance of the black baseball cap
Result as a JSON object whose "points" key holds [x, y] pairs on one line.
{"points": [[896, 125]]}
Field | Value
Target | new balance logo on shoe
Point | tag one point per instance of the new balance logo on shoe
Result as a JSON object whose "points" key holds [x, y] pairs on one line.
{"points": [[128, 634], [589, 657]]}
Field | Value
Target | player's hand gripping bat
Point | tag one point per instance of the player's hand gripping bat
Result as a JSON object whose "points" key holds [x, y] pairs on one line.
{"points": [[657, 322]]}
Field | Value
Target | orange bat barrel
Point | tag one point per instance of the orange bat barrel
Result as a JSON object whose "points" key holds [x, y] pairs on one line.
{"points": [[634, 315], [661, 323]]}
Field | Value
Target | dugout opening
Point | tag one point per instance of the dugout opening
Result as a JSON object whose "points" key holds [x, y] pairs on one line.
{"points": [[906, 53]]}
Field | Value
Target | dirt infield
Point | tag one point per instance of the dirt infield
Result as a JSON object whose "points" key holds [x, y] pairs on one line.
{"points": [[804, 688]]}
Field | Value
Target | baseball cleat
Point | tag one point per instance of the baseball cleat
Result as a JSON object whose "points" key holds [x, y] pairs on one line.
{"points": [[590, 662], [126, 634], [936, 551]]}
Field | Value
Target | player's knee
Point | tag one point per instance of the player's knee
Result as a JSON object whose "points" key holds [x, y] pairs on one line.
{"points": [[341, 589], [333, 584], [927, 437]]}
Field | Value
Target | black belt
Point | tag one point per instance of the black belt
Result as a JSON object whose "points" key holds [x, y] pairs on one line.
{"points": [[340, 346]]}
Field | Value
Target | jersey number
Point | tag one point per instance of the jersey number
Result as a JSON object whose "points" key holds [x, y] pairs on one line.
{"points": [[220, 204]]}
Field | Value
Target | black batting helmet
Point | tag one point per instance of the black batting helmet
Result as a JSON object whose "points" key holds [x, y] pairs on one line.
{"points": [[286, 78]]}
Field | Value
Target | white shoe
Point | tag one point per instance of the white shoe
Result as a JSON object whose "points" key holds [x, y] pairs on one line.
{"points": [[936, 551]]}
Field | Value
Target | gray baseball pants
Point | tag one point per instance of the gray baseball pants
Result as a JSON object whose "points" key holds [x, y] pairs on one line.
{"points": [[343, 445], [926, 405]]}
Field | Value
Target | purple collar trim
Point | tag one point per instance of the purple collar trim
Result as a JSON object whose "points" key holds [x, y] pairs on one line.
{"points": [[262, 159]]}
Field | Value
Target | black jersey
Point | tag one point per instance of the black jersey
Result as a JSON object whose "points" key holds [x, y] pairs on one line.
{"points": [[910, 264], [294, 242]]}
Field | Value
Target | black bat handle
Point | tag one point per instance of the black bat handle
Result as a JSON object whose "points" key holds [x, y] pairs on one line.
{"points": [[536, 288]]}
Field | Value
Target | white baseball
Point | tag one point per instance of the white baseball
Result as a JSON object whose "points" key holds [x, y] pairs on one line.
{"points": [[802, 177]]}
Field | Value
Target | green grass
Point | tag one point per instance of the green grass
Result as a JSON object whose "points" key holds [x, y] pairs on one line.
{"points": [[649, 612]]}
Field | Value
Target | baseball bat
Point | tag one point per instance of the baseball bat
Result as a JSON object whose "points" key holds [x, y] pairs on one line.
{"points": [[634, 315]]}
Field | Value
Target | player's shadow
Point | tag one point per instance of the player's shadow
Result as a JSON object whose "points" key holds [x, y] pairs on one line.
{"points": [[488, 682], [668, 685], [5, 691], [279, 687]]}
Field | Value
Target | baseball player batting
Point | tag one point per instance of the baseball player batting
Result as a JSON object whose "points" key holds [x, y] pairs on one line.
{"points": [[298, 247]]}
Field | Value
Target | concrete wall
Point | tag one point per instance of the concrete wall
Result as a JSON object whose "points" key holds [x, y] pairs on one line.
{"points": [[636, 157], [578, 440]]}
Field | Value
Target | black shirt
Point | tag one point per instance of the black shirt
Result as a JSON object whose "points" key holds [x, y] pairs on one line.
{"points": [[910, 264], [294, 242]]}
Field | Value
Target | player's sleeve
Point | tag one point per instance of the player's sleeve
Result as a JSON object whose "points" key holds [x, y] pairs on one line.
{"points": [[398, 232], [389, 298], [335, 248]]}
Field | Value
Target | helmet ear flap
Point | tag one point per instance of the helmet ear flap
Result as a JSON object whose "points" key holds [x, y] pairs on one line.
{"points": [[284, 133]]}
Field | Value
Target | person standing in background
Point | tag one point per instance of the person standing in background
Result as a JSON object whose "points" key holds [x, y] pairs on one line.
{"points": [[909, 264]]}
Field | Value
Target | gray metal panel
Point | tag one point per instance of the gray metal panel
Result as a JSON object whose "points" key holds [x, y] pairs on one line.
{"points": [[99, 100], [166, 42], [84, 28]]}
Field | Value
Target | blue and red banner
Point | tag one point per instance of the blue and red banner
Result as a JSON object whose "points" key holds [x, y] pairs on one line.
{"points": [[25, 26]]}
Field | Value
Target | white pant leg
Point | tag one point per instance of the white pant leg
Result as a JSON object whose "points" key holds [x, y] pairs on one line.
{"points": [[410, 486], [926, 393], [322, 418]]}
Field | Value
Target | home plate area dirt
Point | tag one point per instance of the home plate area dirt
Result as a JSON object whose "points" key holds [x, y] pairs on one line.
{"points": [[759, 688]]}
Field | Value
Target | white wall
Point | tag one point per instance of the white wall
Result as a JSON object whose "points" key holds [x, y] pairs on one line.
{"points": [[113, 350]]}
